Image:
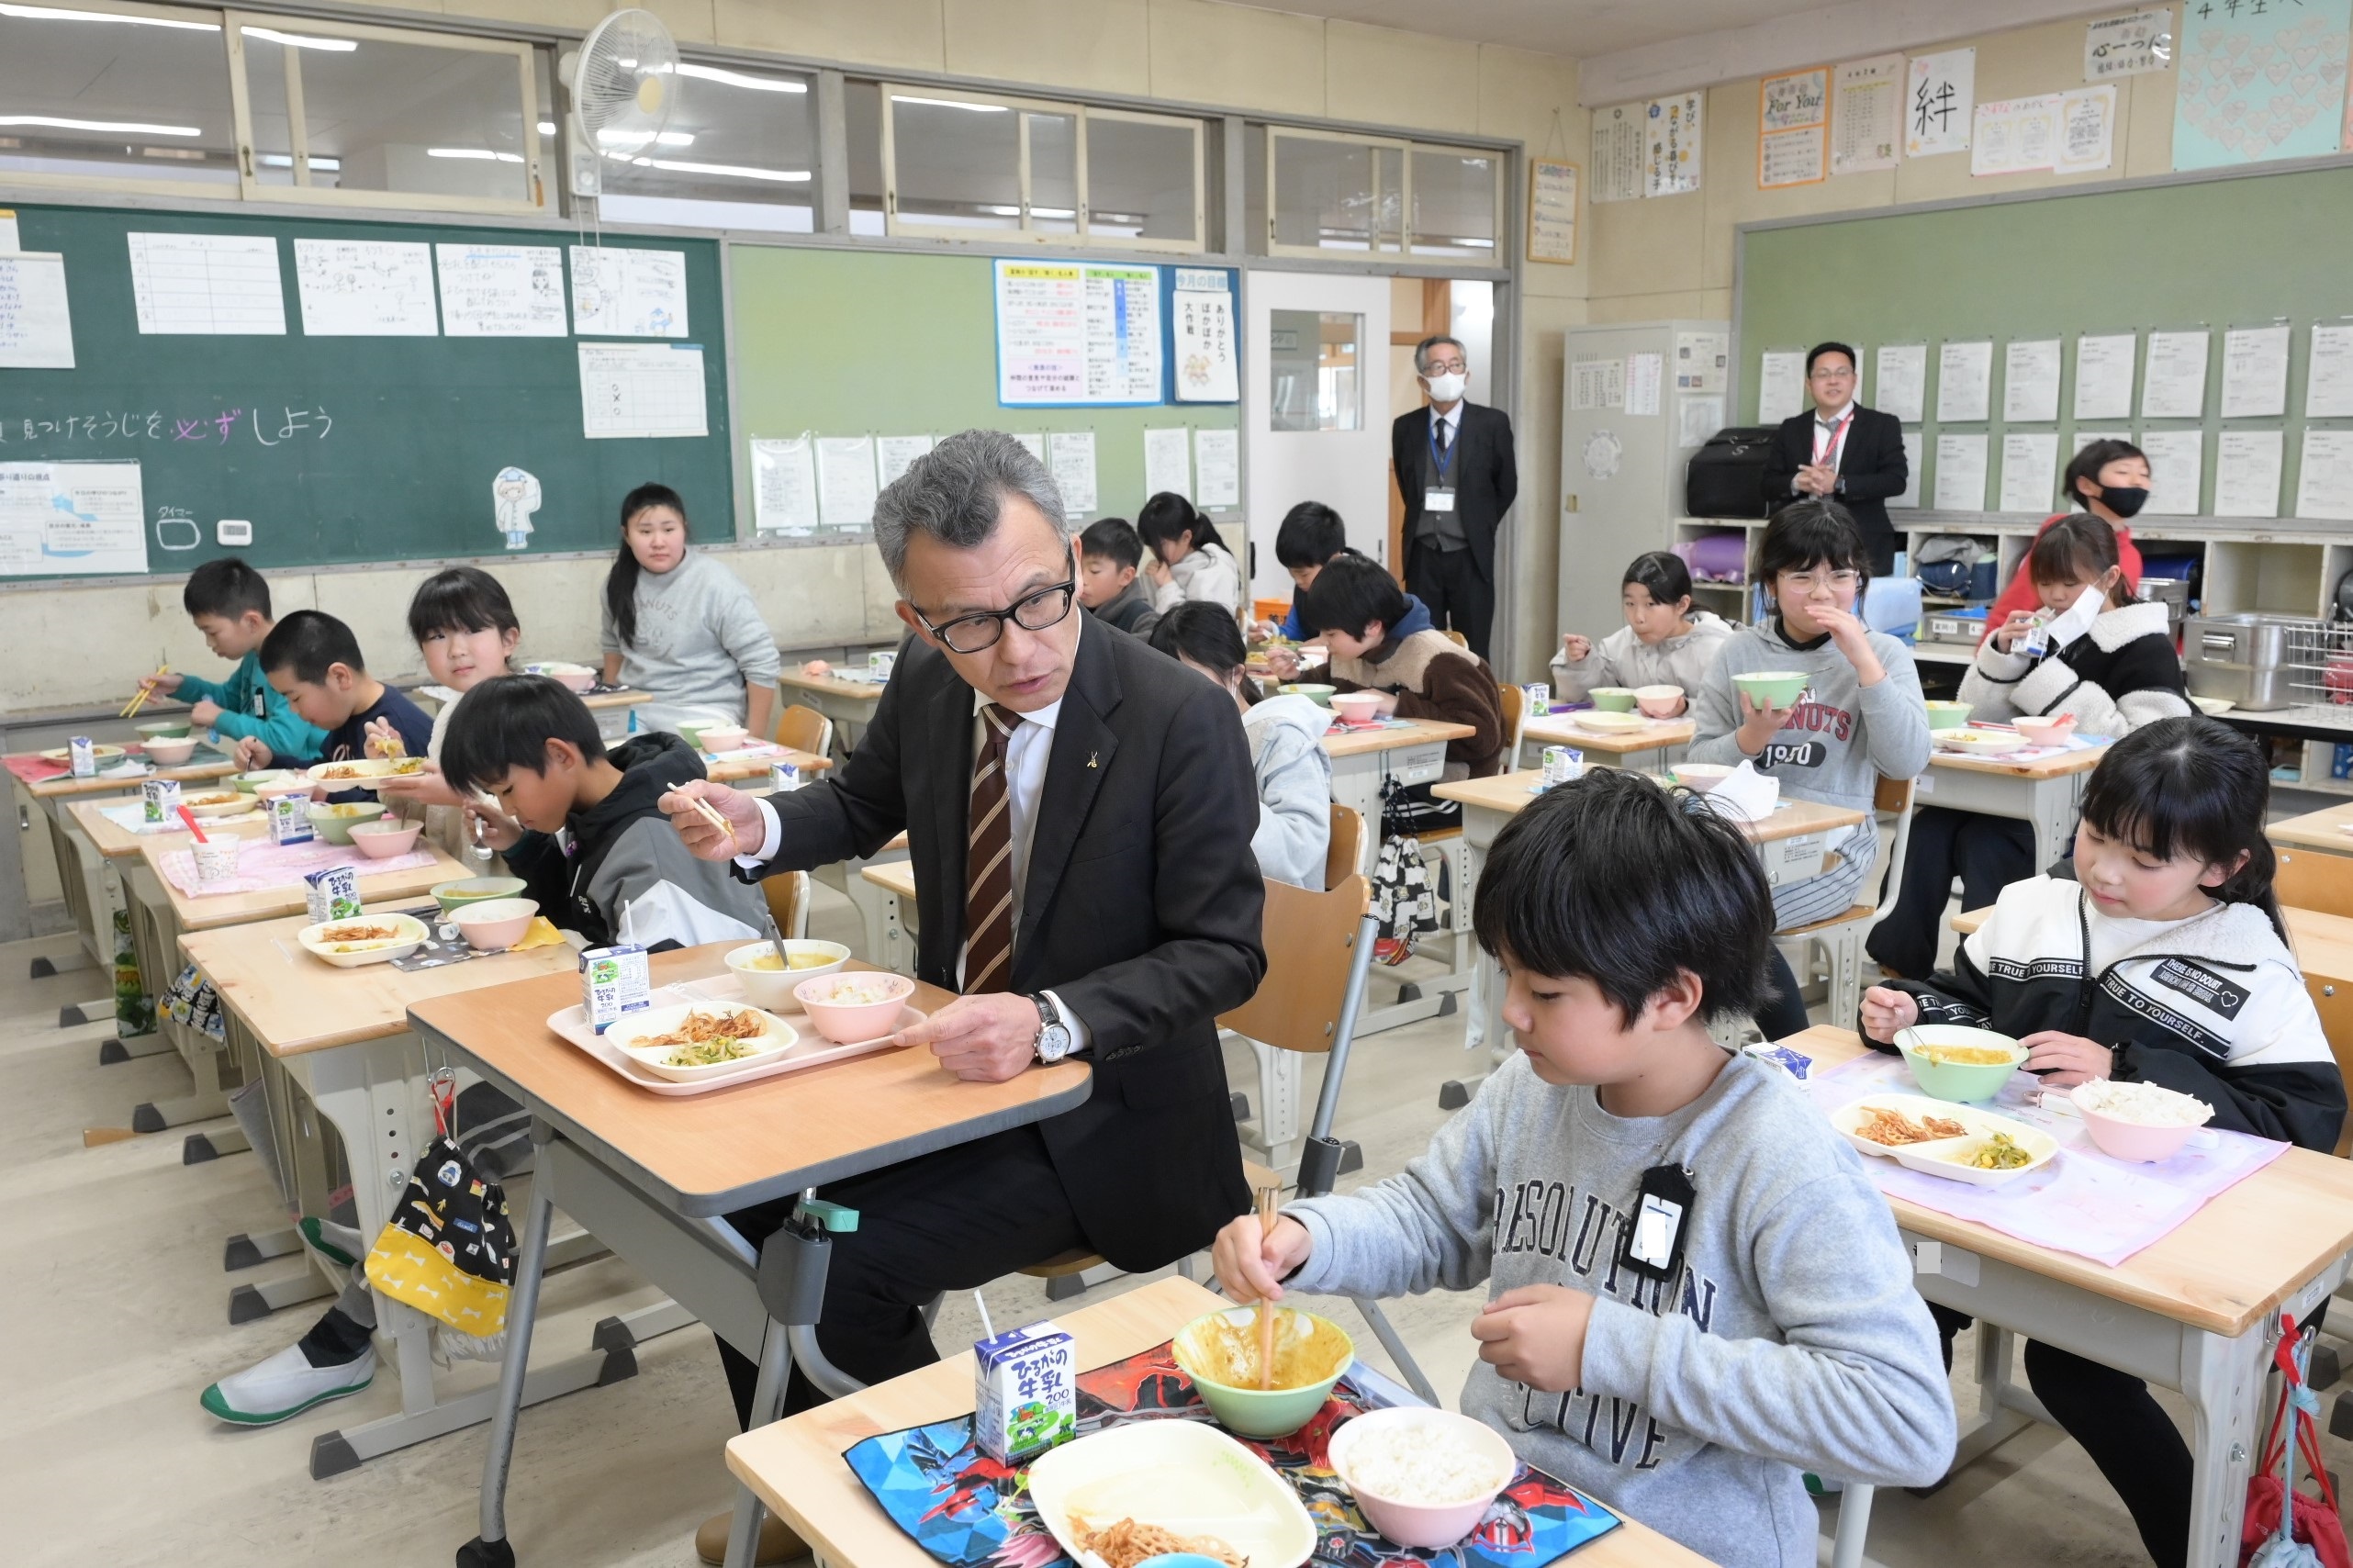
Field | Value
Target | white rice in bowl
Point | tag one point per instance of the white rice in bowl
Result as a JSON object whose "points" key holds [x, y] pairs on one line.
{"points": [[2143, 1104], [1420, 1464]]}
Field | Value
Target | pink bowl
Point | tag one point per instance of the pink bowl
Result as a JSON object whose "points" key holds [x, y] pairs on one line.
{"points": [[1431, 1527], [386, 840], [846, 1022], [2044, 731], [1356, 707], [1658, 701], [724, 737], [494, 923], [2132, 1140]]}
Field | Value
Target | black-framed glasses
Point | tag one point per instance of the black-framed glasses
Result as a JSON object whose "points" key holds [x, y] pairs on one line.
{"points": [[1032, 612]]}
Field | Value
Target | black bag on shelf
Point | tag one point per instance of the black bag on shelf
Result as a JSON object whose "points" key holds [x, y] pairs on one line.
{"points": [[1726, 477]]}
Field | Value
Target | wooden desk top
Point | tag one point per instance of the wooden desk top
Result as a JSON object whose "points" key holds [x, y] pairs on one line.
{"points": [[710, 1154], [67, 787], [892, 876], [726, 768], [2059, 765], [832, 685], [796, 1466], [1418, 731], [2330, 831], [210, 910], [1508, 793], [1556, 730], [2223, 1270], [119, 843], [2323, 942], [294, 1003]]}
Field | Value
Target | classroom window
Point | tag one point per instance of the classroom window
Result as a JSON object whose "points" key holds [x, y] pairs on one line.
{"points": [[1314, 356], [1454, 201], [740, 152], [1330, 191], [862, 125], [136, 97], [1143, 177]]}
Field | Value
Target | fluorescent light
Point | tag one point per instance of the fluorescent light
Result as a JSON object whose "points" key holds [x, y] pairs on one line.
{"points": [[283, 161], [482, 153], [1053, 212], [951, 103], [301, 40], [735, 170], [676, 139], [127, 127], [58, 14], [999, 210], [611, 138], [547, 128], [737, 79]]}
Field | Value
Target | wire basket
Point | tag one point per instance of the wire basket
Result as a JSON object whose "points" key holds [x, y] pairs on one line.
{"points": [[2320, 662]]}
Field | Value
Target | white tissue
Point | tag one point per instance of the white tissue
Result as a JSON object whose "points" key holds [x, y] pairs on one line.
{"points": [[1745, 795]]}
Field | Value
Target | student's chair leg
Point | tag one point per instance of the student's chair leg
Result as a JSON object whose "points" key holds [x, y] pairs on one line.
{"points": [[490, 1549], [1853, 1524]]}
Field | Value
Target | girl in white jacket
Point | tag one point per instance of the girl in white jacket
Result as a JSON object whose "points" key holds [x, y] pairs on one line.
{"points": [[1664, 643], [1189, 564]]}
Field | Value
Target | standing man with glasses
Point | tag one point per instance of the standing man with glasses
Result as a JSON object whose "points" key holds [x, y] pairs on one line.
{"points": [[1841, 451], [1071, 801], [1456, 472]]}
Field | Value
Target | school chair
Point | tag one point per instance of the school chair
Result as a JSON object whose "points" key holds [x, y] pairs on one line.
{"points": [[2335, 1004], [1514, 703], [1841, 937], [787, 899], [2308, 879], [1457, 638], [804, 729], [1278, 1072]]}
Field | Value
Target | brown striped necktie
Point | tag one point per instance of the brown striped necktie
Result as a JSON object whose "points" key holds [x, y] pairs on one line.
{"points": [[989, 862]]}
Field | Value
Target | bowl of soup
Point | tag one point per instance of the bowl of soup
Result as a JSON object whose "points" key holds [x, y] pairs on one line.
{"points": [[1220, 1353], [768, 982], [1953, 1062]]}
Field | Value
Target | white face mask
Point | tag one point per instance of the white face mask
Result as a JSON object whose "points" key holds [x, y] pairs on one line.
{"points": [[1447, 388]]}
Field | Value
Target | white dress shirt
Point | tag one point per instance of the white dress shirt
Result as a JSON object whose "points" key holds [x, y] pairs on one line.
{"points": [[1828, 439], [1452, 419], [1028, 749]]}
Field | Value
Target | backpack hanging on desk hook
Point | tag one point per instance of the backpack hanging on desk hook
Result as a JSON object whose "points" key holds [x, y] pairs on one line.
{"points": [[1404, 903], [2284, 1528], [449, 1248]]}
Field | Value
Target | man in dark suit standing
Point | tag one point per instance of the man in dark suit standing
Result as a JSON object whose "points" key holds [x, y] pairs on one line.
{"points": [[1841, 449], [1458, 476], [1078, 811]]}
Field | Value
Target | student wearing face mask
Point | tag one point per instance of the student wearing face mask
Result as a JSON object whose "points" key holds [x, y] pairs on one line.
{"points": [[2110, 479], [1453, 464]]}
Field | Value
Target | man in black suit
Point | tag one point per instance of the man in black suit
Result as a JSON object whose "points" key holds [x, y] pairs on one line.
{"points": [[1841, 449], [1098, 899], [1458, 476]]}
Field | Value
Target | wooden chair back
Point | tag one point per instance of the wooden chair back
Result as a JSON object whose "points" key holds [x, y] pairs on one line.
{"points": [[1892, 795], [788, 897], [2334, 1002], [1309, 937], [2309, 879], [1344, 856], [1457, 638], [804, 729], [1513, 700]]}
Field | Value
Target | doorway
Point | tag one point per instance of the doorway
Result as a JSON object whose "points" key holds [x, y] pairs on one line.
{"points": [[1319, 410]]}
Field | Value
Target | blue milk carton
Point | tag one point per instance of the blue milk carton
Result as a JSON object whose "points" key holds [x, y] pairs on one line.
{"points": [[1025, 1393]]}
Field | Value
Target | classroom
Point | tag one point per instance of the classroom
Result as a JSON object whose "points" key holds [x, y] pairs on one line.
{"points": [[1009, 783]]}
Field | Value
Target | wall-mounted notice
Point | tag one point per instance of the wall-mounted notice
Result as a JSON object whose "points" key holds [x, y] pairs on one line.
{"points": [[1597, 383], [71, 519], [1644, 373], [2015, 136], [2247, 473], [2177, 470], [1698, 419], [2328, 380], [1940, 94], [2173, 384], [1073, 459], [9, 240], [365, 288], [2030, 469], [1217, 458], [626, 292], [2128, 45], [501, 291], [1670, 144], [784, 486], [1207, 368], [1168, 461], [1033, 445], [1617, 152], [1909, 495], [214, 285], [2260, 81], [1867, 113], [1553, 210], [1780, 384], [1961, 472], [1793, 125], [1964, 381], [2324, 482], [1077, 332], [1902, 385], [2104, 375], [895, 454], [36, 328], [2030, 381], [642, 389], [1702, 361], [2255, 372], [2084, 438], [2086, 129], [846, 482]]}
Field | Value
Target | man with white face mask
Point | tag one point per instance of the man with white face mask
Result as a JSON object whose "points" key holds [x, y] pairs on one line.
{"points": [[1455, 470]]}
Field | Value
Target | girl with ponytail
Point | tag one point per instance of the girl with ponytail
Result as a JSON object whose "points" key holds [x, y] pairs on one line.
{"points": [[1189, 564]]}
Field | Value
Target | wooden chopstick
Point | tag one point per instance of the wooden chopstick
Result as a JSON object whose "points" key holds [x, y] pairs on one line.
{"points": [[710, 816], [137, 699], [1266, 1217]]}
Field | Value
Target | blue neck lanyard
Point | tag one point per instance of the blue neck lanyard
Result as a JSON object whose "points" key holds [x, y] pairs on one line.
{"points": [[1437, 462]]}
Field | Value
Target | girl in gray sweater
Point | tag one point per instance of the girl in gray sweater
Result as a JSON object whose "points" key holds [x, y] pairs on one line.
{"points": [[1664, 643], [1689, 1373], [682, 628]]}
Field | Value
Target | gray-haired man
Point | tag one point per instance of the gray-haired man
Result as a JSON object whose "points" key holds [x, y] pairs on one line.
{"points": [[1457, 475], [1078, 810]]}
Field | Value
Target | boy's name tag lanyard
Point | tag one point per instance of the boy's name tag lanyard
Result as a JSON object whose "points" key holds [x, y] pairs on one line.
{"points": [[1439, 496], [1652, 1245]]}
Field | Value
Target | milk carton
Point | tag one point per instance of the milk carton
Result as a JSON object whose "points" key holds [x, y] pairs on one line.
{"points": [[82, 757], [332, 894], [614, 981], [159, 800], [289, 819], [1026, 1391], [784, 776]]}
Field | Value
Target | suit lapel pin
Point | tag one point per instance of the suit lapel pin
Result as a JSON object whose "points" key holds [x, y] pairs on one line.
{"points": [[1090, 759]]}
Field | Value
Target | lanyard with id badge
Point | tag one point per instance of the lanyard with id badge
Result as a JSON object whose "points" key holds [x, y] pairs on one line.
{"points": [[1438, 495], [1652, 1248]]}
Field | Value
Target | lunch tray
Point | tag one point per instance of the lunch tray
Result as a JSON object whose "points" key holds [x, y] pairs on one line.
{"points": [[966, 1510], [812, 1049]]}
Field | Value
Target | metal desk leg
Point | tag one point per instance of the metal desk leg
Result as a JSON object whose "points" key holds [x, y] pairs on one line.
{"points": [[1853, 1524], [2223, 1381], [767, 1404], [490, 1549]]}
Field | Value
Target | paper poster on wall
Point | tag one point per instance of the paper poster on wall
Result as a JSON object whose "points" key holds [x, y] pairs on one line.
{"points": [[2103, 374], [2247, 473], [1793, 127], [365, 288], [1780, 384], [846, 482], [625, 293], [1702, 361], [2173, 383], [2325, 480], [1644, 372], [2328, 379], [1961, 473], [1964, 381], [72, 520], [2257, 82], [1077, 332], [2255, 372], [36, 327], [1617, 152], [2015, 136], [8, 240], [206, 284], [1168, 461], [2176, 471], [1553, 210], [1072, 456], [501, 291], [1900, 386], [2084, 438], [2128, 45], [1671, 132], [2030, 381], [1939, 94], [1208, 370], [2086, 129], [1909, 495], [2030, 470], [784, 486], [642, 389], [1217, 458], [1698, 419], [1034, 443], [895, 454], [1597, 383], [1867, 113]]}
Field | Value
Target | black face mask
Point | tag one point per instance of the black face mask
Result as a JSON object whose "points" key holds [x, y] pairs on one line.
{"points": [[2124, 501]]}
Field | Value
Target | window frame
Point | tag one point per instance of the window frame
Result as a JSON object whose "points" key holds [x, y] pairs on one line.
{"points": [[199, 190], [1404, 148], [1025, 231]]}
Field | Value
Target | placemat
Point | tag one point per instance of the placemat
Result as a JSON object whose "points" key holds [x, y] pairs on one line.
{"points": [[263, 866], [131, 817], [33, 769], [967, 1510]]}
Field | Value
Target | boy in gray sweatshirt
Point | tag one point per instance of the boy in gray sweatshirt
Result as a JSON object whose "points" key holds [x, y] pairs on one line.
{"points": [[1695, 1293]]}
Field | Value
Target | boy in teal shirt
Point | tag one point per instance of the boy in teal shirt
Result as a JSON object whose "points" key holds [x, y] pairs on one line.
{"points": [[230, 603]]}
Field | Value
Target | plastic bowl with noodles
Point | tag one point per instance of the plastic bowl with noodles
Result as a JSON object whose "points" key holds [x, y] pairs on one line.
{"points": [[1219, 1353]]}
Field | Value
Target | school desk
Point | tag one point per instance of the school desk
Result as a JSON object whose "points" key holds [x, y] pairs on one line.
{"points": [[850, 704], [652, 1177], [1659, 743], [795, 1465], [2330, 832], [2044, 792], [730, 767], [2194, 1311]]}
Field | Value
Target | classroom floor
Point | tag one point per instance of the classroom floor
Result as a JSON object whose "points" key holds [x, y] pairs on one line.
{"points": [[111, 1284]]}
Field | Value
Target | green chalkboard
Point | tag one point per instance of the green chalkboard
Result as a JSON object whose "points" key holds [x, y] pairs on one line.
{"points": [[2229, 252], [844, 344], [343, 449]]}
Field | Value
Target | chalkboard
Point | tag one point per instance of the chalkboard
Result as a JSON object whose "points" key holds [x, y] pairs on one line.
{"points": [[344, 449]]}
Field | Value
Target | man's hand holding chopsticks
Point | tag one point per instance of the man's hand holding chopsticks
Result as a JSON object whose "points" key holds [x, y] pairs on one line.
{"points": [[726, 823]]}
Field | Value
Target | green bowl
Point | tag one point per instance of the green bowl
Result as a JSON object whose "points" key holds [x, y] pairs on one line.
{"points": [[1260, 1413], [1966, 1082], [165, 730], [476, 889], [1321, 696], [690, 730], [1778, 688], [1613, 699], [334, 822], [1947, 715], [247, 783]]}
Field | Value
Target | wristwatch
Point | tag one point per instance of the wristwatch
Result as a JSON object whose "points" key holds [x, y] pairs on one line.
{"points": [[1053, 1040]]}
